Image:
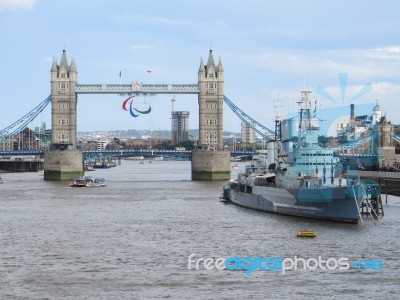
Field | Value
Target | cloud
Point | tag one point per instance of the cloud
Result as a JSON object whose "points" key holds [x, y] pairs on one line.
{"points": [[363, 64], [150, 20], [142, 47], [394, 49], [283, 71], [147, 46], [16, 4], [144, 21]]}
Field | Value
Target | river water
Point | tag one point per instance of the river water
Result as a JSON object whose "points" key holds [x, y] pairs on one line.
{"points": [[132, 240]]}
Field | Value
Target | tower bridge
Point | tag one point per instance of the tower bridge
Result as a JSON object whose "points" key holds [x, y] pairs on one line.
{"points": [[63, 161]]}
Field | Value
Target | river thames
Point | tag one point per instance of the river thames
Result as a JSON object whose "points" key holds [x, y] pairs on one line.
{"points": [[132, 240]]}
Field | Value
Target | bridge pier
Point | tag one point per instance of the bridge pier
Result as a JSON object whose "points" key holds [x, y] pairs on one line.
{"points": [[211, 165], [21, 165], [63, 165], [386, 156]]}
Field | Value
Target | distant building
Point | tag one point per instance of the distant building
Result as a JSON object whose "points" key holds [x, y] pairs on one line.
{"points": [[101, 145], [357, 127], [248, 134], [376, 114], [180, 127], [24, 140], [44, 136]]}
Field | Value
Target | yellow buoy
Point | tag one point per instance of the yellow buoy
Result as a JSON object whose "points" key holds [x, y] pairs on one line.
{"points": [[306, 233]]}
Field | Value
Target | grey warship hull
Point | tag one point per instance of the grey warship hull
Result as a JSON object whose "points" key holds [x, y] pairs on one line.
{"points": [[340, 204]]}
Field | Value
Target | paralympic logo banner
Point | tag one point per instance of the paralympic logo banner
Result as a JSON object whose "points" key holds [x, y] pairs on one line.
{"points": [[251, 264]]}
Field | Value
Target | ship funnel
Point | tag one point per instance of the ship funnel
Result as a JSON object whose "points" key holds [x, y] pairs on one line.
{"points": [[351, 112]]}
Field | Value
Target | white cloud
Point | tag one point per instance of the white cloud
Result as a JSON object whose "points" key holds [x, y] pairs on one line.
{"points": [[147, 46], [151, 20], [142, 47], [283, 69], [198, 27], [363, 64], [394, 49], [16, 4]]}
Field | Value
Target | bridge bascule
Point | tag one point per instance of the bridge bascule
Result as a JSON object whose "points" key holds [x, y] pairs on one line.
{"points": [[64, 161]]}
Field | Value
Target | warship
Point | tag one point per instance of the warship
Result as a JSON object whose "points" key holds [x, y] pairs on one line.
{"points": [[299, 177]]}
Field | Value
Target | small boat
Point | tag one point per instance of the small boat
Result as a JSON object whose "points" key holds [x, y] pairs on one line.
{"points": [[102, 165], [88, 181], [306, 233], [236, 158], [89, 168], [134, 158]]}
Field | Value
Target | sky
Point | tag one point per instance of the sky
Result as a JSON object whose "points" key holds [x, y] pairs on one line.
{"points": [[270, 50]]}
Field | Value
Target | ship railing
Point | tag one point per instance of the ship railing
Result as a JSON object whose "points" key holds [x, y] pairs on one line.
{"points": [[367, 202], [357, 207]]}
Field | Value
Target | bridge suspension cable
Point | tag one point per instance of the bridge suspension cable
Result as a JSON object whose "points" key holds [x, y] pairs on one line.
{"points": [[396, 138], [267, 134], [19, 125], [355, 144]]}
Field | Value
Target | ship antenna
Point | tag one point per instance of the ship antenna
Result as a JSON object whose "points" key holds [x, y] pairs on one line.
{"points": [[305, 115], [301, 119], [278, 119], [315, 107]]}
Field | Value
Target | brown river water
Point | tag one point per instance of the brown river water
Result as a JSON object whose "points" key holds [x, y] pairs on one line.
{"points": [[132, 240]]}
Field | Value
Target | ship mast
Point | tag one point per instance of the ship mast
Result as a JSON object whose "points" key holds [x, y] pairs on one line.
{"points": [[278, 120], [304, 111]]}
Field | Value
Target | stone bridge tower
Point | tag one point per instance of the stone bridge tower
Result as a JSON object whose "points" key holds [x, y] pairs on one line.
{"points": [[210, 162], [386, 153], [211, 104], [63, 104], [63, 161]]}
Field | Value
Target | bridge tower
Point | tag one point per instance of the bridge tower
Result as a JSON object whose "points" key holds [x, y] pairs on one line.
{"points": [[63, 104], [386, 150], [63, 161], [211, 162], [211, 104]]}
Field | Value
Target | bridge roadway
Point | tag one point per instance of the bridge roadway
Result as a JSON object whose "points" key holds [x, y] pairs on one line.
{"points": [[185, 154], [137, 88], [154, 152], [358, 155], [376, 174]]}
